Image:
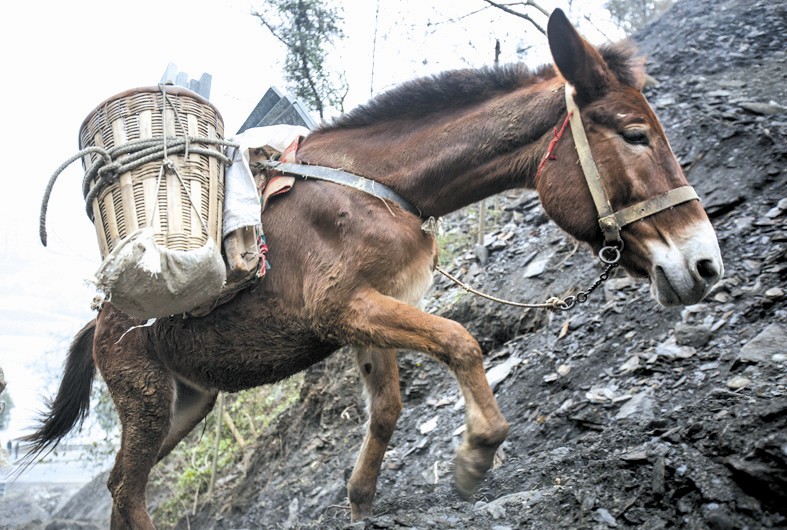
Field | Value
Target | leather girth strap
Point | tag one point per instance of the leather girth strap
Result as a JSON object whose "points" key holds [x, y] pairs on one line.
{"points": [[338, 176], [609, 220]]}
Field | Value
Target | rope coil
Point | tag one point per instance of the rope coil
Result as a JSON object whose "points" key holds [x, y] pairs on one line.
{"points": [[116, 161]]}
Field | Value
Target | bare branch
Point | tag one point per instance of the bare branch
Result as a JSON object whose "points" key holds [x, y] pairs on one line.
{"points": [[533, 4], [590, 21], [271, 29], [525, 16], [456, 19]]}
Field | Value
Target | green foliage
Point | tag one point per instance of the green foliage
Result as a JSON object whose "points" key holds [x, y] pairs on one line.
{"points": [[307, 28], [184, 475], [103, 409], [631, 15], [452, 243], [103, 424], [460, 230]]}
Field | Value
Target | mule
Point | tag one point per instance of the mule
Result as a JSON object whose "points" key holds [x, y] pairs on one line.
{"points": [[349, 267]]}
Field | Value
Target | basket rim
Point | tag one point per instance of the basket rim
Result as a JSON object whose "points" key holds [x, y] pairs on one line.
{"points": [[169, 89]]}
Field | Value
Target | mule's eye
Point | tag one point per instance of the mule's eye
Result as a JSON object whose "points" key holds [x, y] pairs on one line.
{"points": [[635, 136]]}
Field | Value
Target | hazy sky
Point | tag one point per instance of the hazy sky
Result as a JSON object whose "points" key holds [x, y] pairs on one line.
{"points": [[61, 59]]}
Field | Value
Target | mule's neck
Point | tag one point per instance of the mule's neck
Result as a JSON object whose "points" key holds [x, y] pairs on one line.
{"points": [[451, 158]]}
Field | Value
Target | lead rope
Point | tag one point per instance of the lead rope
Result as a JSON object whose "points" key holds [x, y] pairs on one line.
{"points": [[609, 255], [553, 303]]}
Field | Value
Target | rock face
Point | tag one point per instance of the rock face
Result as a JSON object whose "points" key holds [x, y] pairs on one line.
{"points": [[624, 415]]}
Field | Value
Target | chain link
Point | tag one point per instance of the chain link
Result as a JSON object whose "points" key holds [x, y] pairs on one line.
{"points": [[582, 296], [610, 255]]}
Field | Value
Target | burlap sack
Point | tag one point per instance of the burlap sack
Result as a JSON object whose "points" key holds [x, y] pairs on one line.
{"points": [[145, 280]]}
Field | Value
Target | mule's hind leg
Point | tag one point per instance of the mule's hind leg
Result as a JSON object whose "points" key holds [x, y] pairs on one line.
{"points": [[379, 320], [380, 375], [142, 391], [191, 406]]}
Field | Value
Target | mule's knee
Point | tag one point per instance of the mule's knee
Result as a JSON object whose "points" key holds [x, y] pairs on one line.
{"points": [[384, 416], [462, 351]]}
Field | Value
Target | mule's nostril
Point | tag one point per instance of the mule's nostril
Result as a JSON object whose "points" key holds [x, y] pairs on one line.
{"points": [[708, 270]]}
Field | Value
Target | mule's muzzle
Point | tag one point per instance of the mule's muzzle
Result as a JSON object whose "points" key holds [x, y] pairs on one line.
{"points": [[683, 274], [671, 289]]}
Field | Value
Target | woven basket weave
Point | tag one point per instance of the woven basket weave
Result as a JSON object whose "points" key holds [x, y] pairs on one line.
{"points": [[134, 200]]}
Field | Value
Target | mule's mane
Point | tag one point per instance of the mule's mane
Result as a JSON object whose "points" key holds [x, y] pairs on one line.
{"points": [[465, 87], [449, 89], [624, 61]]}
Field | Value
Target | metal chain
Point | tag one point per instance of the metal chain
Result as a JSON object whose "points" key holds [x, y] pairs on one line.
{"points": [[582, 296], [610, 255]]}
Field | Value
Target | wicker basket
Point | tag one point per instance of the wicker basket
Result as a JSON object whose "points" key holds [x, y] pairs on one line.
{"points": [[137, 198]]}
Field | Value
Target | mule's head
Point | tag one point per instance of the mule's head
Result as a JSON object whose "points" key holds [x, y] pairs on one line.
{"points": [[675, 248]]}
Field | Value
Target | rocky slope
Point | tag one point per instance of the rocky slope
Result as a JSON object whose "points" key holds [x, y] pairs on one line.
{"points": [[624, 414]]}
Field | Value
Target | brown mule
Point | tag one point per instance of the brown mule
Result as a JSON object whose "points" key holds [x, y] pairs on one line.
{"points": [[349, 267]]}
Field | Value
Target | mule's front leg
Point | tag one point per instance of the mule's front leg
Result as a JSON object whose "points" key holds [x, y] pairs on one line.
{"points": [[486, 430], [380, 375], [385, 322]]}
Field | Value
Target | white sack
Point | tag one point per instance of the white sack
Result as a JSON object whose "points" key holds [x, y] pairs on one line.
{"points": [[241, 197], [145, 280]]}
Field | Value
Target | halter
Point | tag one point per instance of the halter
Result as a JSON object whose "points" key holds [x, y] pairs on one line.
{"points": [[609, 220]]}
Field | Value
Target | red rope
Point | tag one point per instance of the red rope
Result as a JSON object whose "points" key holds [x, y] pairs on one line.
{"points": [[552, 144], [264, 265]]}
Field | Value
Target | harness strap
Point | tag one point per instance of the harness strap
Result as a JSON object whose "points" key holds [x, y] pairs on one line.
{"points": [[338, 176], [609, 220], [656, 204], [606, 214]]}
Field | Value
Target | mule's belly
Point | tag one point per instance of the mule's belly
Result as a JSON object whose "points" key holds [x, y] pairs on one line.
{"points": [[247, 344], [298, 314], [231, 352]]}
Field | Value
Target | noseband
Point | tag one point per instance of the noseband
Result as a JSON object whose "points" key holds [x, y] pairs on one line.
{"points": [[609, 220]]}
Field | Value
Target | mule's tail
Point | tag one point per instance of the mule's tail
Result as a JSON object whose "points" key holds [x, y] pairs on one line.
{"points": [[72, 402]]}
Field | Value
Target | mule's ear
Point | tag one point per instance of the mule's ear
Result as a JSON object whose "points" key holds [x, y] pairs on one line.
{"points": [[576, 59]]}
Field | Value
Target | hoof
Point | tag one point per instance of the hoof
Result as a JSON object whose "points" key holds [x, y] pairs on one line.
{"points": [[468, 473], [359, 512]]}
